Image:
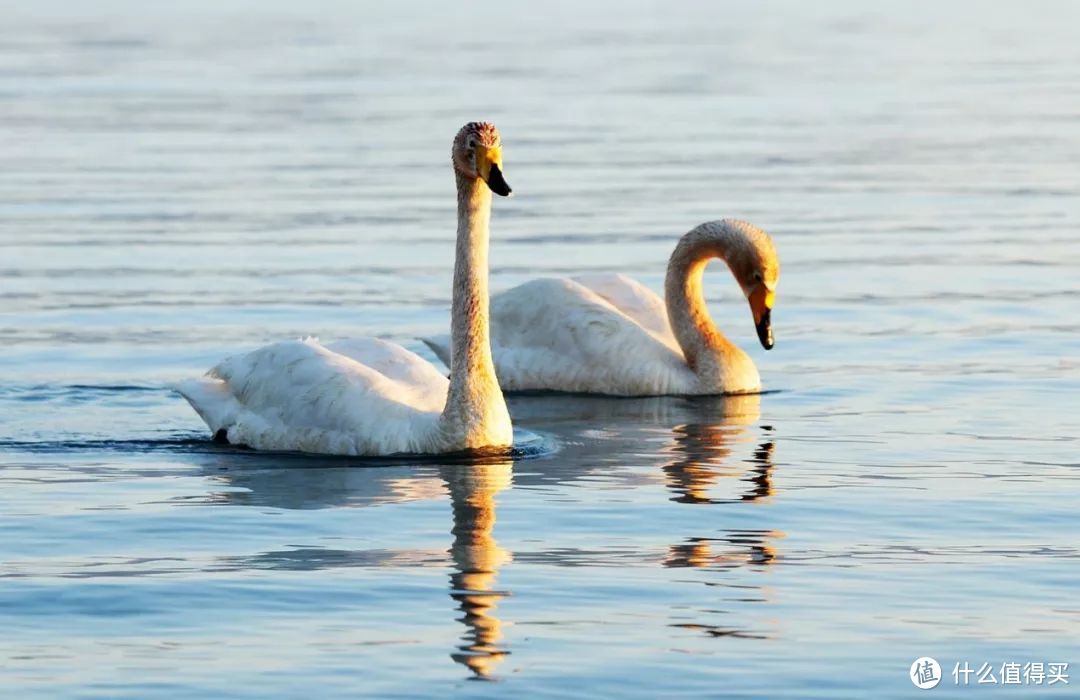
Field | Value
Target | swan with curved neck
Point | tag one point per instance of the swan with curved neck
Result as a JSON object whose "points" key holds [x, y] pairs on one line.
{"points": [[367, 396], [608, 334]]}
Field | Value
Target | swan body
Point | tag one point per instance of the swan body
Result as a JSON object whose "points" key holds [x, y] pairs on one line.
{"points": [[358, 397], [366, 396], [609, 334]]}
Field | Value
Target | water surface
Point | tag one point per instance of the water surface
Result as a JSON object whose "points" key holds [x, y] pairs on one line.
{"points": [[181, 184]]}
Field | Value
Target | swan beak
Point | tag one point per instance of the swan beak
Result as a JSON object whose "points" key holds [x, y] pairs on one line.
{"points": [[497, 183], [489, 165], [761, 301]]}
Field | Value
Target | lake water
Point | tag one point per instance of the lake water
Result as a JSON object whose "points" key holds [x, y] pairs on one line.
{"points": [[181, 184]]}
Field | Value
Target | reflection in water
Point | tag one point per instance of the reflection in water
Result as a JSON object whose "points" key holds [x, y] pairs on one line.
{"points": [[738, 548], [592, 414], [301, 482], [477, 558], [703, 464], [702, 443], [475, 554], [702, 450], [761, 474]]}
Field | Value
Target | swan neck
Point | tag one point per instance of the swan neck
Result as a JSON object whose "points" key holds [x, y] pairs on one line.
{"points": [[701, 341], [474, 391]]}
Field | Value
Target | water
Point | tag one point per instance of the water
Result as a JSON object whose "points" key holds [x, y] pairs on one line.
{"points": [[181, 184]]}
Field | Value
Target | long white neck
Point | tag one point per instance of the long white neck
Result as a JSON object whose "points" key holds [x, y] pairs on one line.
{"points": [[475, 411], [706, 349]]}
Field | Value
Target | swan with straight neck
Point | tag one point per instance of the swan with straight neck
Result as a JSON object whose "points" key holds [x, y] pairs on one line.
{"points": [[370, 397]]}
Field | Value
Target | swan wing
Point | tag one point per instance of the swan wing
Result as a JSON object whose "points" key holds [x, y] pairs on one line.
{"points": [[390, 360], [557, 334], [634, 299], [300, 395]]}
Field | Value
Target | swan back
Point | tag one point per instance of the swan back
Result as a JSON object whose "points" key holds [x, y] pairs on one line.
{"points": [[635, 300], [300, 395], [557, 334]]}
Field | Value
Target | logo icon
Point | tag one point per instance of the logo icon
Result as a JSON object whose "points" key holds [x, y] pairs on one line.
{"points": [[925, 673]]}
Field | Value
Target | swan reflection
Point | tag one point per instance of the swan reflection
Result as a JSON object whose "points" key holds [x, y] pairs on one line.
{"points": [[687, 451], [704, 454], [706, 460], [704, 451], [736, 548], [477, 558], [474, 554]]}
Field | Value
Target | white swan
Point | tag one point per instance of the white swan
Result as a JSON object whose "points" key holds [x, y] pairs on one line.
{"points": [[608, 334], [367, 396]]}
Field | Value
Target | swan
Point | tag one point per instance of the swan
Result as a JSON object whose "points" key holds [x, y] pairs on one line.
{"points": [[369, 397], [609, 334]]}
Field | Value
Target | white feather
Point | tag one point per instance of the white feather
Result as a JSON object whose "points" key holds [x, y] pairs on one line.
{"points": [[559, 334], [641, 304], [609, 334], [367, 396], [370, 398]]}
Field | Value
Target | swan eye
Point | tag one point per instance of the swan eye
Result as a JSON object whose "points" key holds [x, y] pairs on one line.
{"points": [[757, 277]]}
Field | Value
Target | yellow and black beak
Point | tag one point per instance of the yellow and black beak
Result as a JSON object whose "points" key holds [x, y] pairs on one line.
{"points": [[761, 302], [489, 165]]}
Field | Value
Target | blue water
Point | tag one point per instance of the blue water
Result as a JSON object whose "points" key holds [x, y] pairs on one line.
{"points": [[180, 184]]}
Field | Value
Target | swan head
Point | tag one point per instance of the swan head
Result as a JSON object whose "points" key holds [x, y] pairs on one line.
{"points": [[751, 256], [757, 273], [477, 154]]}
